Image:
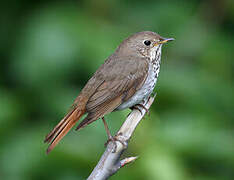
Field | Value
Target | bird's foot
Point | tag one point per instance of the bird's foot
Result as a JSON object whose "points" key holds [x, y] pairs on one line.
{"points": [[114, 139], [139, 106]]}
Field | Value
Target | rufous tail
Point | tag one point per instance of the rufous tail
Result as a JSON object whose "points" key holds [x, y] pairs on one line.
{"points": [[63, 127]]}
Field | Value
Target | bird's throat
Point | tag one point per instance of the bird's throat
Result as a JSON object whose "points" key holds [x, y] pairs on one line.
{"points": [[155, 53]]}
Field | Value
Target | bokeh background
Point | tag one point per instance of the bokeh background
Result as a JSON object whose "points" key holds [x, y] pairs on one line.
{"points": [[50, 48]]}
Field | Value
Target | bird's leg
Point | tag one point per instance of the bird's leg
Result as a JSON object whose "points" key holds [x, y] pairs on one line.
{"points": [[107, 129], [111, 138]]}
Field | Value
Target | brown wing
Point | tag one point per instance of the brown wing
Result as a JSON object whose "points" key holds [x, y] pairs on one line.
{"points": [[121, 79]]}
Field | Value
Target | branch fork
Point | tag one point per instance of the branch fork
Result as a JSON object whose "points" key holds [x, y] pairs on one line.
{"points": [[110, 161]]}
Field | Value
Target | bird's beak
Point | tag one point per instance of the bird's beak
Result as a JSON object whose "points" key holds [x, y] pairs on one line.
{"points": [[164, 40]]}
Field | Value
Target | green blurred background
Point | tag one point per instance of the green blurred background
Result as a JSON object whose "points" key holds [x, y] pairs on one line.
{"points": [[50, 48]]}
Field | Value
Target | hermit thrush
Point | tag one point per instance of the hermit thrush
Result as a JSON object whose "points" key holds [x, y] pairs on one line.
{"points": [[125, 79]]}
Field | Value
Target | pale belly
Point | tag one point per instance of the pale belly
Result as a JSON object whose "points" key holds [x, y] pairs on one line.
{"points": [[145, 90]]}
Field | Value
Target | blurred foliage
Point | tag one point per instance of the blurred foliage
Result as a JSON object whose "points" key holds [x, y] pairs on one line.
{"points": [[49, 49]]}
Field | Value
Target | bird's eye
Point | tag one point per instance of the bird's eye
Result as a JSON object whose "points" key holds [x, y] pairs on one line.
{"points": [[147, 42]]}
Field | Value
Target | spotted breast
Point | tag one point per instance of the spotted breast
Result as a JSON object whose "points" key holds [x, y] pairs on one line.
{"points": [[148, 87]]}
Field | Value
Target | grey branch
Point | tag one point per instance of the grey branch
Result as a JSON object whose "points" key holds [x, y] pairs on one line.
{"points": [[110, 161]]}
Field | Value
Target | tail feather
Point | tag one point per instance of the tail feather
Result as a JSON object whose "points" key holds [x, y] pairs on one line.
{"points": [[63, 127], [51, 135]]}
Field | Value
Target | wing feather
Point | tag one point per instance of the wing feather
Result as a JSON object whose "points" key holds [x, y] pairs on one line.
{"points": [[117, 87]]}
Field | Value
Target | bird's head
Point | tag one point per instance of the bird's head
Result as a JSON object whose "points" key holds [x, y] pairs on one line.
{"points": [[147, 44]]}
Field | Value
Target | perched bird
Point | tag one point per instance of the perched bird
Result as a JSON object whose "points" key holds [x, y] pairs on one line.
{"points": [[126, 78]]}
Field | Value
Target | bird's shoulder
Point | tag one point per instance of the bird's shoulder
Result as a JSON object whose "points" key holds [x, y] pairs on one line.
{"points": [[122, 67]]}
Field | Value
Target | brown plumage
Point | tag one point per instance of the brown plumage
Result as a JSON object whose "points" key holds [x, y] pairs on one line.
{"points": [[103, 95], [114, 83]]}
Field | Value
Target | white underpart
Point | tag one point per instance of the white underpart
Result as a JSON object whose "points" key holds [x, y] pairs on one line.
{"points": [[150, 82]]}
